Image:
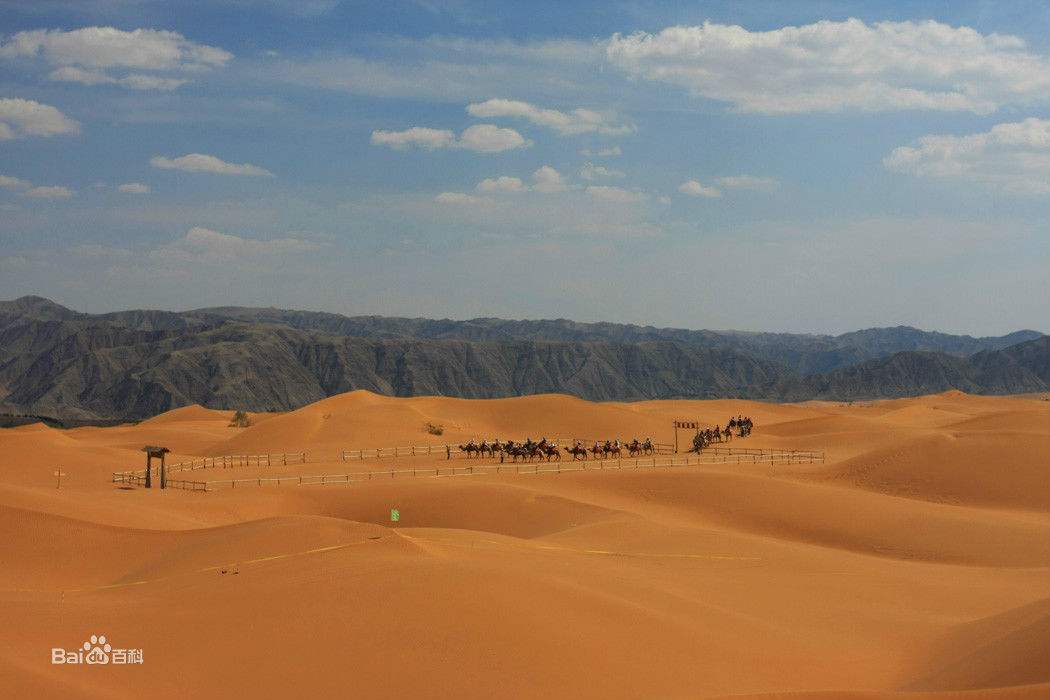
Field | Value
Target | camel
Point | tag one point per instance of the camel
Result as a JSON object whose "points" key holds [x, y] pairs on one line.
{"points": [[577, 451]]}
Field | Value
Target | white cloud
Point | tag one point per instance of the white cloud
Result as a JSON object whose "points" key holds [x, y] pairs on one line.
{"points": [[205, 245], [203, 163], [488, 138], [503, 183], [49, 192], [602, 152], [417, 136], [590, 171], [133, 188], [106, 47], [20, 118], [578, 121], [619, 195], [135, 81], [749, 182], [1013, 156], [481, 138], [545, 180], [90, 55], [548, 180], [832, 66], [458, 198], [663, 199], [13, 183], [695, 189]]}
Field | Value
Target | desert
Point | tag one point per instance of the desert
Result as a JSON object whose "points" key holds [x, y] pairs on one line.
{"points": [[427, 349], [912, 562]]}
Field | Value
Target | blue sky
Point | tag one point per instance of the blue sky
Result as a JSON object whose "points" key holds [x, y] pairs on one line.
{"points": [[790, 166]]}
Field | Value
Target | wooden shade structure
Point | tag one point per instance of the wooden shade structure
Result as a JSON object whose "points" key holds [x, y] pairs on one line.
{"points": [[158, 452]]}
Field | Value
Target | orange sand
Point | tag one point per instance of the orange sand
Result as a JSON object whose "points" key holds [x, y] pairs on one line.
{"points": [[914, 563]]}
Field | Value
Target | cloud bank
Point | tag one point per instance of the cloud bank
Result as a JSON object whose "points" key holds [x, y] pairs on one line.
{"points": [[1013, 156], [90, 55], [836, 66]]}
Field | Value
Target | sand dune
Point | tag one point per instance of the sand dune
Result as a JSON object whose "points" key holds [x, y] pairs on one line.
{"points": [[993, 470], [914, 563], [1009, 649]]}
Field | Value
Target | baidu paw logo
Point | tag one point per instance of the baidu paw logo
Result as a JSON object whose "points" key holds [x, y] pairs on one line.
{"points": [[97, 650]]}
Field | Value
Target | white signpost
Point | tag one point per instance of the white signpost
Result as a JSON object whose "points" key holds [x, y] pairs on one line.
{"points": [[58, 473]]}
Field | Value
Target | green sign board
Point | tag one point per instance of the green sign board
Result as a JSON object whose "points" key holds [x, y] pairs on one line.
{"points": [[395, 515]]}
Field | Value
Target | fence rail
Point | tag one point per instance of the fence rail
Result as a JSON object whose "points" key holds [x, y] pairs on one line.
{"points": [[523, 468], [229, 461], [218, 462], [140, 480]]}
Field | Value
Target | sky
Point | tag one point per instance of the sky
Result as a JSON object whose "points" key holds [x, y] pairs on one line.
{"points": [[778, 166]]}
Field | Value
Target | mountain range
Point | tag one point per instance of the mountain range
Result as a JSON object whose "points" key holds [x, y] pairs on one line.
{"points": [[128, 365]]}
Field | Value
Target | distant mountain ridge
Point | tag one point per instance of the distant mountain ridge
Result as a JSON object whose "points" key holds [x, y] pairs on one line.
{"points": [[132, 364]]}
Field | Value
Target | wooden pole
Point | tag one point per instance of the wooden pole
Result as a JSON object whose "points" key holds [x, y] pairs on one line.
{"points": [[149, 468]]}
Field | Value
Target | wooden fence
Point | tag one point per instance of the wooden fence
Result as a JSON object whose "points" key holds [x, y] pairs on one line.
{"points": [[229, 461], [524, 468], [219, 462], [139, 479]]}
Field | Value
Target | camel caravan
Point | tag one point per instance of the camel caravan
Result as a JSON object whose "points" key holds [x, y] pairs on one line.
{"points": [[548, 450], [612, 448], [525, 451], [704, 438]]}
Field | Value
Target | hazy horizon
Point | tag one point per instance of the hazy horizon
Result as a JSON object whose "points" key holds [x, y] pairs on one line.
{"points": [[503, 318]]}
